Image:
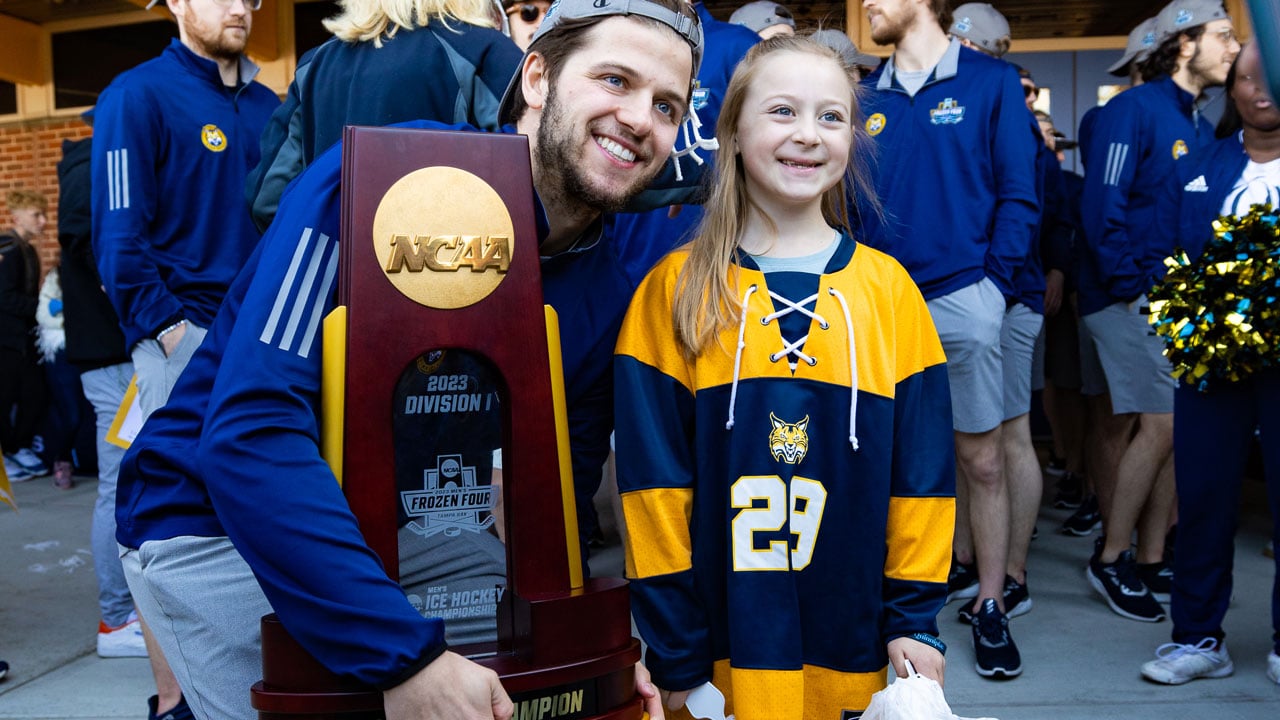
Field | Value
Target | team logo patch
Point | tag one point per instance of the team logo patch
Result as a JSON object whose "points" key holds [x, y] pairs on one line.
{"points": [[213, 138], [789, 442], [700, 98], [1179, 149], [875, 124], [450, 501], [964, 24], [1184, 17], [948, 112]]}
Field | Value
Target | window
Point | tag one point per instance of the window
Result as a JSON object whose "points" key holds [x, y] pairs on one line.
{"points": [[86, 61], [307, 30], [8, 98]]}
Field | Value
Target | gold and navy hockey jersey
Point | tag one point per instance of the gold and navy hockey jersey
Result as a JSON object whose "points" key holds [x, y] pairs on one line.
{"points": [[784, 525]]}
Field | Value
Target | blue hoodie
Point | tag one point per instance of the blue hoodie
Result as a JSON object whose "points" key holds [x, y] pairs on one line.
{"points": [[1132, 147], [172, 147], [1192, 197], [956, 172]]}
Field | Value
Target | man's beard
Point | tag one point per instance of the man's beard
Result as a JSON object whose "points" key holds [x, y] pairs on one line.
{"points": [[891, 30], [1201, 66], [215, 42], [558, 156]]}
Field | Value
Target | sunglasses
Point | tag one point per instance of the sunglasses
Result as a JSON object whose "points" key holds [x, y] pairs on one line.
{"points": [[1030, 91], [528, 13]]}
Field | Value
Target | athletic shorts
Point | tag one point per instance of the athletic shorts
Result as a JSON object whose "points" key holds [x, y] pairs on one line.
{"points": [[1018, 339], [1139, 376], [968, 322]]}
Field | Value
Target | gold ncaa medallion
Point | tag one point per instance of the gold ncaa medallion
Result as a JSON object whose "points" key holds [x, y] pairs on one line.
{"points": [[444, 237]]}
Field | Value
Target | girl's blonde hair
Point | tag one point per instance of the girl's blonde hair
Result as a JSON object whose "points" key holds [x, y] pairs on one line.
{"points": [[374, 20], [706, 298]]}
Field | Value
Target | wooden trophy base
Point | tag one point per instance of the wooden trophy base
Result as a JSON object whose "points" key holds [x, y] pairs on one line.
{"points": [[584, 653]]}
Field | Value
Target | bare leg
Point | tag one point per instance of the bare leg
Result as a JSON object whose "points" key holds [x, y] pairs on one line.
{"points": [[982, 463], [962, 542], [1026, 485], [1153, 525], [1110, 437], [167, 689], [1135, 477]]}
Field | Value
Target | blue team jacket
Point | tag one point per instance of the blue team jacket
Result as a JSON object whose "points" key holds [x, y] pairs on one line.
{"points": [[1192, 197], [172, 146], [1133, 145], [955, 171], [253, 406]]}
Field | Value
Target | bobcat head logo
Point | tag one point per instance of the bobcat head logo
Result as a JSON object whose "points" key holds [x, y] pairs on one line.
{"points": [[789, 441]]}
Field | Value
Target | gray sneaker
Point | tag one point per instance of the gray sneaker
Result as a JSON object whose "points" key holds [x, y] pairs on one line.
{"points": [[1176, 664]]}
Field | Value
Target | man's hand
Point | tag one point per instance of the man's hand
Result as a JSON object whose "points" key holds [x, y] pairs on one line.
{"points": [[646, 689], [927, 660], [1053, 286], [450, 688], [169, 341]]}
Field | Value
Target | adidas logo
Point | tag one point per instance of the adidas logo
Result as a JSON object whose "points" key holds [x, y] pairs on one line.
{"points": [[1197, 185]]}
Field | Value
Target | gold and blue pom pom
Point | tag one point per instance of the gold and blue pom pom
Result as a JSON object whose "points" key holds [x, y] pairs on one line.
{"points": [[1218, 314]]}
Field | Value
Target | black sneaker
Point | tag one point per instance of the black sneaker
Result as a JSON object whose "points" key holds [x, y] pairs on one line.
{"points": [[1158, 577], [1070, 492], [1017, 601], [995, 654], [962, 581], [1119, 585], [1085, 520], [178, 712]]}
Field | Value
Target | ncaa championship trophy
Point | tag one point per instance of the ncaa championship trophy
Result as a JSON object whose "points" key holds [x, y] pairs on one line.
{"points": [[444, 419]]}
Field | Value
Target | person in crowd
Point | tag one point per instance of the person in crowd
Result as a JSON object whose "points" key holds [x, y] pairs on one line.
{"points": [[62, 421], [175, 138], [523, 18], [628, 69], [1101, 451], [1214, 427], [807, 368], [1136, 140], [170, 231], [21, 384], [95, 347], [936, 162], [765, 18], [980, 27], [448, 51]]}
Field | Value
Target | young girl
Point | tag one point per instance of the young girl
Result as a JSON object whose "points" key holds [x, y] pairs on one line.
{"points": [[783, 423]]}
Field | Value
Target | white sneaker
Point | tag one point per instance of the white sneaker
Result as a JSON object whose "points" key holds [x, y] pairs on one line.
{"points": [[31, 461], [123, 641], [16, 472], [1176, 664], [1273, 667]]}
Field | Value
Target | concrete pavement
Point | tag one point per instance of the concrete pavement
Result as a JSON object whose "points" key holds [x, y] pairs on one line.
{"points": [[1081, 660]]}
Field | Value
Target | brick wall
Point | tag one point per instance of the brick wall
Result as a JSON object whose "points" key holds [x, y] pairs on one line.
{"points": [[29, 155]]}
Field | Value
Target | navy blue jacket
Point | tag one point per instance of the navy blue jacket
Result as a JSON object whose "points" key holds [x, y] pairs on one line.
{"points": [[1132, 148], [1193, 195], [955, 172], [172, 146], [453, 74]]}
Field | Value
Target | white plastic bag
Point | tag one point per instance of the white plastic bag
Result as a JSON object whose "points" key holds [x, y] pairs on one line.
{"points": [[914, 697]]}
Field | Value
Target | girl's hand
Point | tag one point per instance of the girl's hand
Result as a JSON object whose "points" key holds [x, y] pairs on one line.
{"points": [[674, 700], [927, 660]]}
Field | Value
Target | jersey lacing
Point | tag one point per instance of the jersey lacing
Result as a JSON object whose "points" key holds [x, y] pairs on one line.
{"points": [[692, 125], [793, 347]]}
